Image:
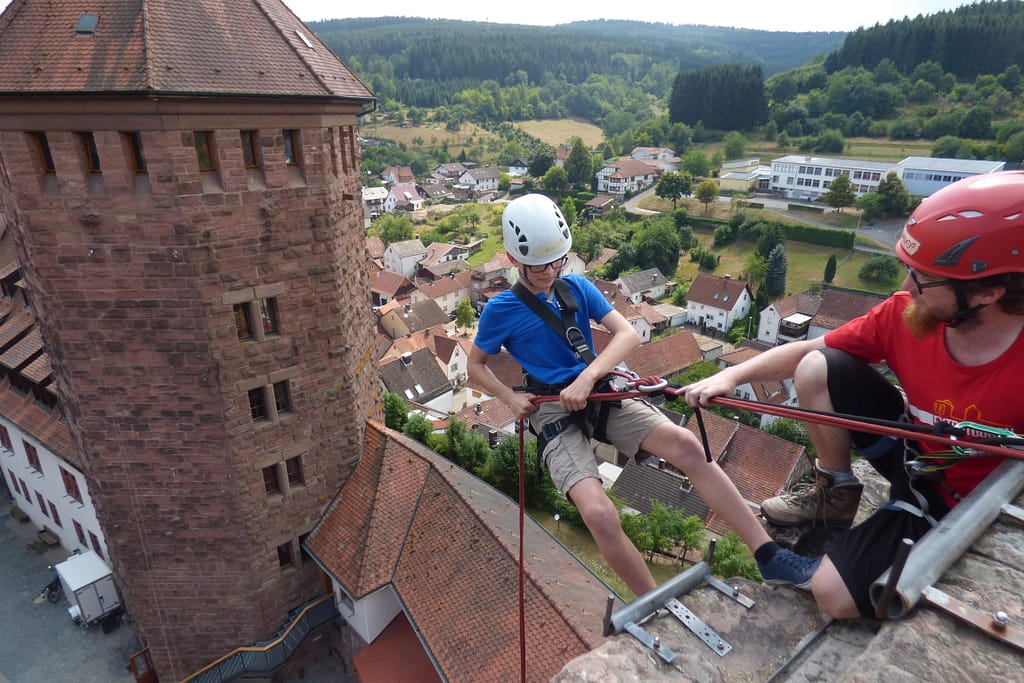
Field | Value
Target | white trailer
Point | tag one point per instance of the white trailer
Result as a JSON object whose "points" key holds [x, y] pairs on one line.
{"points": [[89, 587]]}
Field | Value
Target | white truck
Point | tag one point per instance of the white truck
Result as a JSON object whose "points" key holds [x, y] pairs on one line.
{"points": [[89, 586]]}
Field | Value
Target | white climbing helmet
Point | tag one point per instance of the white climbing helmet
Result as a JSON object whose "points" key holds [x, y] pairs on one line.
{"points": [[534, 230]]}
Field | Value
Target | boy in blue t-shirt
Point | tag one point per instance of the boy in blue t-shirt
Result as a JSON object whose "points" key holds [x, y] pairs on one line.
{"points": [[537, 239]]}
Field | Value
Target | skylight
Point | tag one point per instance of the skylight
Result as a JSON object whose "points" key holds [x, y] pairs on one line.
{"points": [[302, 35], [86, 25]]}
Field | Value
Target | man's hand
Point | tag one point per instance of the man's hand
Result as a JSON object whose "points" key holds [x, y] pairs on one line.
{"points": [[700, 393]]}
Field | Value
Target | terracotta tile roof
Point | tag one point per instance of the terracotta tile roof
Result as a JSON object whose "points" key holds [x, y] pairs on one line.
{"points": [[39, 369], [666, 356], [390, 284], [8, 257], [743, 353], [802, 302], [716, 292], [447, 543], [840, 306], [163, 47], [375, 247], [26, 348], [651, 314], [39, 423], [604, 257], [630, 168], [491, 414], [14, 325], [720, 431]]}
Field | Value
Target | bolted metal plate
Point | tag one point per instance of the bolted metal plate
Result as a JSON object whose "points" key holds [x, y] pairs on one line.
{"points": [[731, 592], [690, 621], [653, 642]]}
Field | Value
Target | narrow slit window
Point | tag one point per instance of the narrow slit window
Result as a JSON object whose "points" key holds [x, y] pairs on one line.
{"points": [[250, 148], [243, 323], [268, 315], [282, 401], [284, 554], [43, 150], [92, 155], [257, 404], [293, 468], [205, 151], [271, 480], [137, 153], [292, 151]]}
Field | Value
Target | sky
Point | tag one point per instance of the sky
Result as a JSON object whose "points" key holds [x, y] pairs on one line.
{"points": [[790, 15]]}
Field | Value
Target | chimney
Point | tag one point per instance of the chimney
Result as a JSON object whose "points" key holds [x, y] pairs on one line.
{"points": [[477, 409], [407, 358], [727, 276]]}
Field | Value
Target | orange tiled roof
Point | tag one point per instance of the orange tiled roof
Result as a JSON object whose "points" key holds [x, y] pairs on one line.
{"points": [[840, 306], [447, 543], [168, 47]]}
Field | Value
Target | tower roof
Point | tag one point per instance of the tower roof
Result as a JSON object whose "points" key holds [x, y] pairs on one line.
{"points": [[167, 48]]}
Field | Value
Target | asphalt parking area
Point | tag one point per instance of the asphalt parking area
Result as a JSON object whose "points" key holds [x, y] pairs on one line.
{"points": [[39, 643]]}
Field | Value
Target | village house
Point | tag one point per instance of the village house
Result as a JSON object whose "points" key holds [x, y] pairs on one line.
{"points": [[644, 284], [626, 176], [839, 306], [775, 392], [405, 197], [478, 181], [417, 377], [386, 286], [716, 303], [400, 320], [447, 292], [662, 158], [451, 171], [398, 175], [373, 202], [787, 319], [403, 257]]}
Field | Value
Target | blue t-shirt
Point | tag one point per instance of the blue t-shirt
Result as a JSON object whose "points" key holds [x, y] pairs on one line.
{"points": [[507, 321]]}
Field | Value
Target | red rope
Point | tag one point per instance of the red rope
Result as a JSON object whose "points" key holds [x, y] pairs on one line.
{"points": [[522, 568]]}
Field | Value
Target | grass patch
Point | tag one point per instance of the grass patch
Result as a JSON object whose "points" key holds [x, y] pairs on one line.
{"points": [[471, 139], [557, 131]]}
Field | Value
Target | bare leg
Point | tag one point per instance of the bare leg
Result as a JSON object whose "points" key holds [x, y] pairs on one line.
{"points": [[830, 592], [602, 519], [832, 444], [680, 448]]}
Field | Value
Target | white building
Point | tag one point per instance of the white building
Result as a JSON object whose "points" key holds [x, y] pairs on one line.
{"points": [[808, 178], [924, 176], [715, 303], [404, 257]]}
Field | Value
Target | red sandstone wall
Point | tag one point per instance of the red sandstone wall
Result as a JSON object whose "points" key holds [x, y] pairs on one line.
{"points": [[134, 289]]}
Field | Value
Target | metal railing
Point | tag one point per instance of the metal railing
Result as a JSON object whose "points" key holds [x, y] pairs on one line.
{"points": [[268, 656]]}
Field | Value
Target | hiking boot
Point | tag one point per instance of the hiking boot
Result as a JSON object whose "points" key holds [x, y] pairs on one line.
{"points": [[821, 501], [788, 568]]}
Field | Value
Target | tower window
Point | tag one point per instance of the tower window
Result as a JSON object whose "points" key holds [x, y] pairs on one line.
{"points": [[92, 156], [250, 148], [205, 151], [136, 153], [43, 152], [292, 149]]}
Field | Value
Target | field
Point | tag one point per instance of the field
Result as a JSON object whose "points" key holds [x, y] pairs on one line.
{"points": [[479, 144], [868, 149], [555, 132]]}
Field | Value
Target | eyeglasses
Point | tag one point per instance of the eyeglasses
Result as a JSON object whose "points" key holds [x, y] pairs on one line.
{"points": [[556, 264], [921, 286]]}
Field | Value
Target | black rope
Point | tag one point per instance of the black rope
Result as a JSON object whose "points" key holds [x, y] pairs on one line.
{"points": [[703, 433]]}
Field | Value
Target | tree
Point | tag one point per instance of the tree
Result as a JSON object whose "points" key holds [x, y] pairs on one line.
{"points": [[674, 185], [707, 192], [870, 205], [418, 427], [555, 179], [840, 193], [540, 164], [394, 228], [894, 196], [775, 271], [830, 268], [880, 269], [395, 410], [578, 164], [735, 144], [568, 207], [465, 314], [732, 559], [770, 237], [657, 246], [696, 163]]}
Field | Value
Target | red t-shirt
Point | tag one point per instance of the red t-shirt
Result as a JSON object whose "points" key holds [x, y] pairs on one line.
{"points": [[936, 385]]}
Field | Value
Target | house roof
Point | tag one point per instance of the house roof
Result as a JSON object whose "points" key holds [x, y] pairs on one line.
{"points": [[492, 413], [415, 375], [666, 356], [405, 192], [638, 485], [447, 544], [801, 302], [168, 47], [403, 248], [483, 173], [840, 306], [403, 174], [716, 292], [389, 283], [438, 250], [604, 257], [643, 280], [375, 247], [630, 168]]}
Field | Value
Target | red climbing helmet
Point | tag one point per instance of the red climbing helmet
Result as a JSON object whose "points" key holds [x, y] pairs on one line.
{"points": [[970, 229]]}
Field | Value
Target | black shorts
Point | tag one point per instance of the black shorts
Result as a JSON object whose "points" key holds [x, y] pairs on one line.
{"points": [[864, 552]]}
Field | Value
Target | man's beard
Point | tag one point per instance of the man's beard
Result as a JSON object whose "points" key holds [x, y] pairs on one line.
{"points": [[920, 321]]}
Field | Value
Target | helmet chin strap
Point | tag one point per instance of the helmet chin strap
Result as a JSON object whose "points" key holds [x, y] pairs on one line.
{"points": [[964, 312]]}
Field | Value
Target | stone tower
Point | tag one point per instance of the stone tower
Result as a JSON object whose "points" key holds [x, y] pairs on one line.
{"points": [[183, 182]]}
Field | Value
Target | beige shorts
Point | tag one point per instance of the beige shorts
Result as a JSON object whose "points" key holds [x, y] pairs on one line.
{"points": [[570, 456]]}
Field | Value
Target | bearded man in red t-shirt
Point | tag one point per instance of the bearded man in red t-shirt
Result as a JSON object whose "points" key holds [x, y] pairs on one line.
{"points": [[953, 339]]}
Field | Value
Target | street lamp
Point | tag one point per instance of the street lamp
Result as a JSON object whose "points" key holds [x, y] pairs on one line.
{"points": [[558, 524]]}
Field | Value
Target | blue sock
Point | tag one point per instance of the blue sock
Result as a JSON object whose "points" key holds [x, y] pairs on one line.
{"points": [[766, 552]]}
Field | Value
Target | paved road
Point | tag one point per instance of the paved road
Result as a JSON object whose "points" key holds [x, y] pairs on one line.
{"points": [[38, 642]]}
